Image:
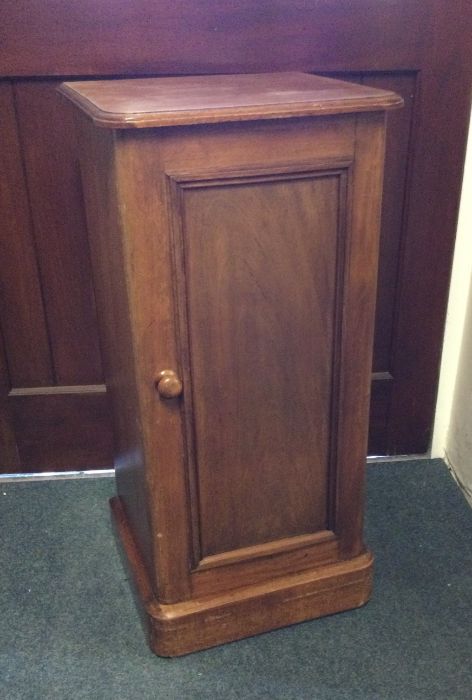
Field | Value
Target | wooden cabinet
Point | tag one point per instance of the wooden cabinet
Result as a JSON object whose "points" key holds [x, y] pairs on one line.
{"points": [[234, 236]]}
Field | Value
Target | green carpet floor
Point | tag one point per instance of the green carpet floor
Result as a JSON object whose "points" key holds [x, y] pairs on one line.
{"points": [[69, 628]]}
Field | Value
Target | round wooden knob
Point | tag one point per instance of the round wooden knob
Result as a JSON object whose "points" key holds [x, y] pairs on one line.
{"points": [[168, 384]]}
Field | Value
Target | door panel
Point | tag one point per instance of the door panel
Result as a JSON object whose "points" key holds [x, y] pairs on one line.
{"points": [[421, 48], [22, 316], [46, 127], [54, 407], [398, 157], [260, 265]]}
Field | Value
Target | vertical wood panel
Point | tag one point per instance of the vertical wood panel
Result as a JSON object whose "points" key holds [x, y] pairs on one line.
{"points": [[358, 326], [51, 37], [434, 194], [69, 429], [21, 305], [262, 354], [46, 125], [108, 260], [9, 457], [392, 238], [399, 126]]}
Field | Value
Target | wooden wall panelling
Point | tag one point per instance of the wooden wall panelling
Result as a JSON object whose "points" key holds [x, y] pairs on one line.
{"points": [[394, 206], [54, 405], [22, 313], [8, 446], [427, 41], [46, 126], [392, 238], [393, 210], [210, 36], [61, 428], [437, 159]]}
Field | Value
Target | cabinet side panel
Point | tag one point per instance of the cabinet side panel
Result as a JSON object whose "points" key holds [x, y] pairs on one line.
{"points": [[97, 151], [261, 271]]}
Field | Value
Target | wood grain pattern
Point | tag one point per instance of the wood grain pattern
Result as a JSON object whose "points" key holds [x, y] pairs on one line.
{"points": [[238, 261], [21, 302], [145, 103], [108, 254], [46, 306], [10, 456], [261, 406], [138, 167], [398, 164], [50, 423], [358, 327], [46, 126], [207, 36], [399, 134], [204, 622], [251, 565], [434, 192]]}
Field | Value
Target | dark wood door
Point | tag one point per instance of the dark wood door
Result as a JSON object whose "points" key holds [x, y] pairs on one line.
{"points": [[261, 308], [53, 405]]}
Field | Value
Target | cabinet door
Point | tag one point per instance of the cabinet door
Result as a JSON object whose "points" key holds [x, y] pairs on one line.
{"points": [[274, 275], [258, 301]]}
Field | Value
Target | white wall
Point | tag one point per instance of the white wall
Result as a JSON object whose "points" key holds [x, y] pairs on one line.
{"points": [[458, 449], [452, 435]]}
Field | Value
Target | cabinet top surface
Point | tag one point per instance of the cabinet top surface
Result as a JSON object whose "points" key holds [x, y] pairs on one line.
{"points": [[155, 102]]}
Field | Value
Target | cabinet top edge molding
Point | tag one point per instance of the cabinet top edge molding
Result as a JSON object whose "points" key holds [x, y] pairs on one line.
{"points": [[180, 101]]}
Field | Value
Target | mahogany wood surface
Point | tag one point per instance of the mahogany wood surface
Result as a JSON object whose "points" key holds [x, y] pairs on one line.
{"points": [[47, 308], [58, 221], [53, 421], [22, 307], [208, 36], [246, 318], [235, 263], [421, 49], [108, 248], [7, 435], [199, 100], [203, 622]]}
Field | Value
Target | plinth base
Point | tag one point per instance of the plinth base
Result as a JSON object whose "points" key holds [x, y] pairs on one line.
{"points": [[197, 624]]}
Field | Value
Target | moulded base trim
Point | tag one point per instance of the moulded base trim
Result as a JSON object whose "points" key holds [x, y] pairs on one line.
{"points": [[193, 625]]}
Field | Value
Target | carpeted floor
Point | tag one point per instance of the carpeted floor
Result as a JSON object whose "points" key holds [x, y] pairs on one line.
{"points": [[69, 628]]}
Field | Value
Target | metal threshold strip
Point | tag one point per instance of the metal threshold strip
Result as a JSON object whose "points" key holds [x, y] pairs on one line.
{"points": [[96, 473], [52, 476]]}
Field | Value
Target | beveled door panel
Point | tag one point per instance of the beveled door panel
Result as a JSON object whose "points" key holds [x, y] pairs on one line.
{"points": [[258, 306]]}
